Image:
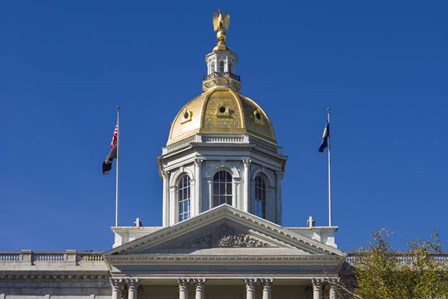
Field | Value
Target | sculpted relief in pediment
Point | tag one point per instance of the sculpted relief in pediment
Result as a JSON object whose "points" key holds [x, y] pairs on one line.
{"points": [[227, 237]]}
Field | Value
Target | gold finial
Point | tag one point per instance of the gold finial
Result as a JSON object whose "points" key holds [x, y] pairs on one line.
{"points": [[221, 22]]}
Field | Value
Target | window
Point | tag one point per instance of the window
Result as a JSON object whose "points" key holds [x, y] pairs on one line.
{"points": [[221, 66], [260, 197], [184, 197], [222, 188]]}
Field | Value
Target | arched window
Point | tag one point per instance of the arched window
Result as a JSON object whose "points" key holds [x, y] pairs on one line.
{"points": [[222, 188], [184, 196], [221, 66], [260, 197]]}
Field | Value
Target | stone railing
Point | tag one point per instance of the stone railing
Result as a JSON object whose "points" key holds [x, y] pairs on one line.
{"points": [[10, 257], [48, 257], [222, 139], [90, 257], [69, 256], [354, 258], [222, 74]]}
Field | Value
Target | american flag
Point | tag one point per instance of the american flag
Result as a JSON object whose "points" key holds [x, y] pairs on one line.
{"points": [[113, 143], [107, 163]]}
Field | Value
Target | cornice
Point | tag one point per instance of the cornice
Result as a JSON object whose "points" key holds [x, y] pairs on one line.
{"points": [[39, 275], [224, 259]]}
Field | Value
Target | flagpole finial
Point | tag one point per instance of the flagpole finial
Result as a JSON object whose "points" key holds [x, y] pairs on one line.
{"points": [[118, 108], [328, 109]]}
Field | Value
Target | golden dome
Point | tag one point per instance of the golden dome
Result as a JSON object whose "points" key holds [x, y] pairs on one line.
{"points": [[221, 111]]}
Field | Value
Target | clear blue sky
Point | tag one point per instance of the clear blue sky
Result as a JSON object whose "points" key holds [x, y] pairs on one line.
{"points": [[64, 65]]}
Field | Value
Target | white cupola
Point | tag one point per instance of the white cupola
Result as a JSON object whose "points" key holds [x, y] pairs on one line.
{"points": [[221, 148]]}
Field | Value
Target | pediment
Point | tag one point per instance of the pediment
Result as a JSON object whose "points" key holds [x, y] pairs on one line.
{"points": [[223, 237], [224, 231]]}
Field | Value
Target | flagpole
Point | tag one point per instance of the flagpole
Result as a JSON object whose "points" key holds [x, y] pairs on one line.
{"points": [[116, 171], [329, 171]]}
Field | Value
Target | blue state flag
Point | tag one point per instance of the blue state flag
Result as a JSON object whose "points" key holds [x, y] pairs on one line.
{"points": [[325, 136]]}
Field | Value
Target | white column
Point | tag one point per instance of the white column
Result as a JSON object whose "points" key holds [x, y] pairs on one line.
{"points": [[183, 288], [246, 185], [279, 176], [173, 217], [132, 288], [236, 200], [271, 204], [210, 193], [116, 287], [200, 285], [332, 292], [251, 283], [267, 285], [166, 198], [333, 284], [198, 185], [317, 288]]}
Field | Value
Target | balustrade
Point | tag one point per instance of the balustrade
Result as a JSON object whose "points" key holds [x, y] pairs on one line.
{"points": [[48, 257], [221, 139], [9, 257], [68, 256], [222, 74]]}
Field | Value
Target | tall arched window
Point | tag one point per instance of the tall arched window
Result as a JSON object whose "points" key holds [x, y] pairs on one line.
{"points": [[221, 66], [222, 188], [260, 197], [184, 197]]}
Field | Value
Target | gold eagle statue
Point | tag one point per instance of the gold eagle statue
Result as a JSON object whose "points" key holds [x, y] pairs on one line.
{"points": [[221, 21]]}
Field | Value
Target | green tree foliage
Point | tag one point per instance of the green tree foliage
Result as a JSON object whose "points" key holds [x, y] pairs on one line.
{"points": [[382, 273]]}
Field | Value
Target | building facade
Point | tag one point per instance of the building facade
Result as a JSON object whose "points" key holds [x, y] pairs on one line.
{"points": [[222, 235]]}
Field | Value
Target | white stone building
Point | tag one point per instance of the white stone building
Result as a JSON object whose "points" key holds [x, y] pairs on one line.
{"points": [[222, 235]]}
